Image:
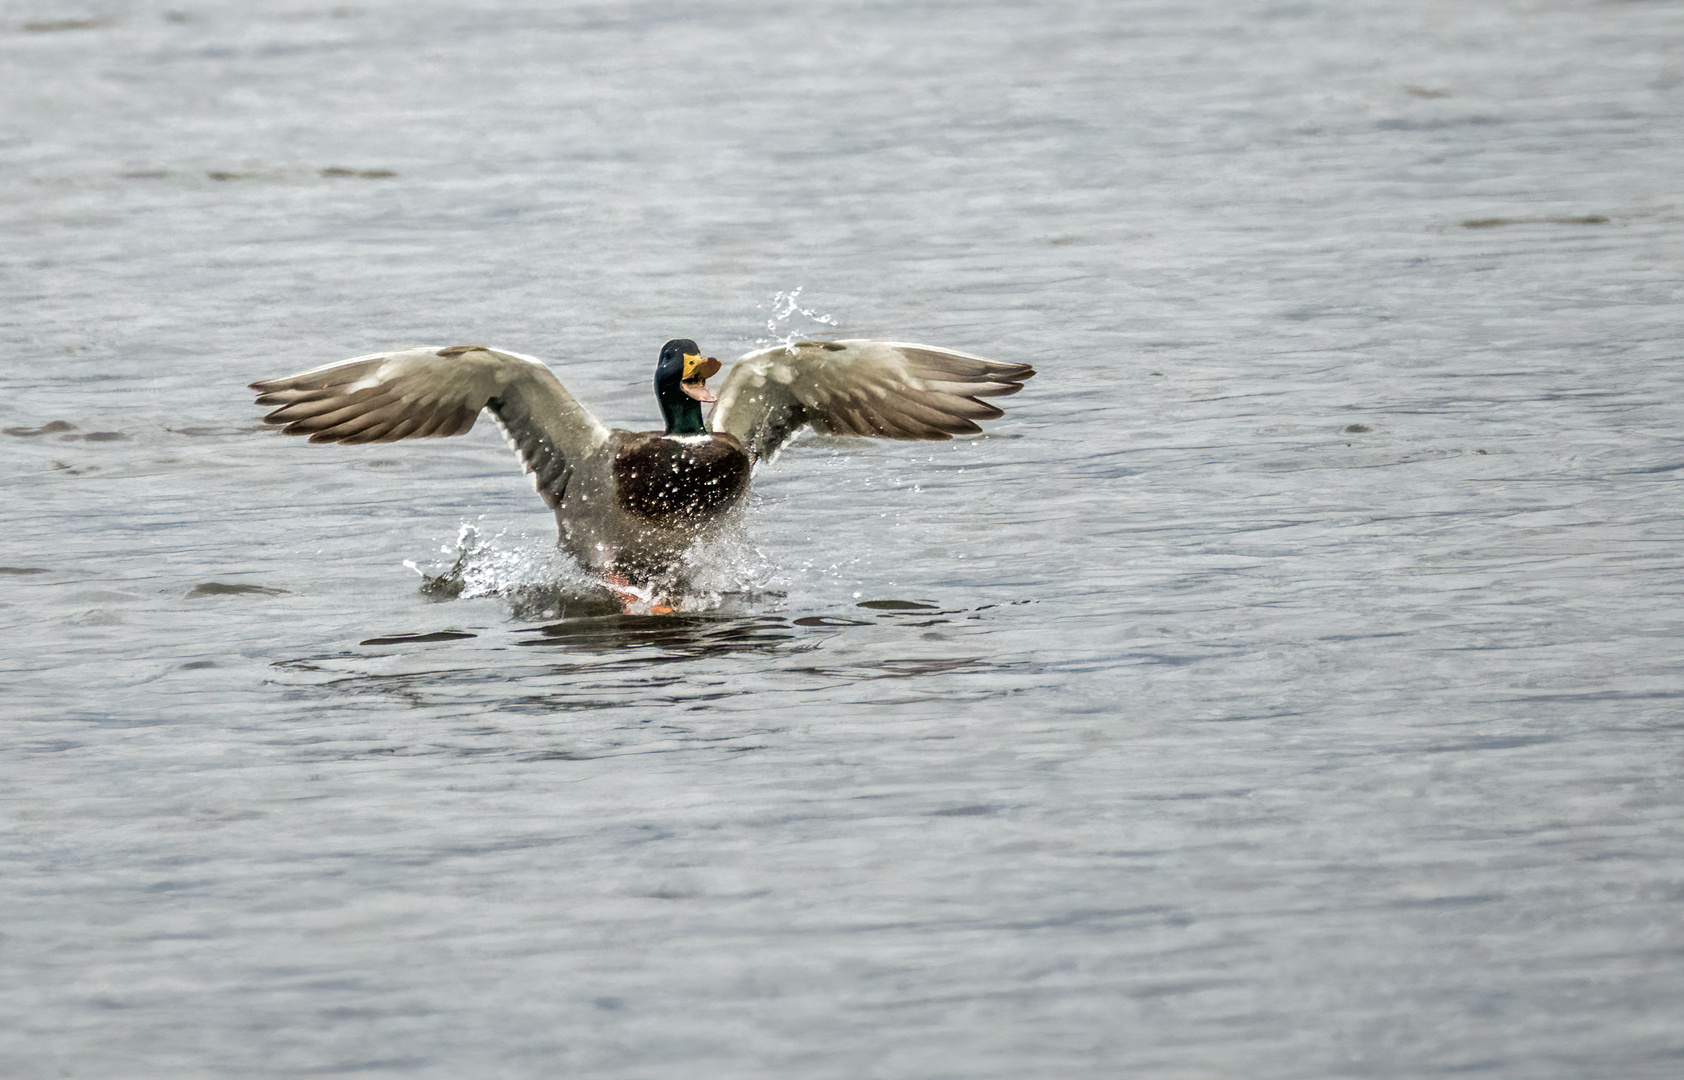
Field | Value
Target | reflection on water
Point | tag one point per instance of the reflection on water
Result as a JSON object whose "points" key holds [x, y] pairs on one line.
{"points": [[417, 639], [609, 686], [628, 663], [219, 588], [665, 637], [907, 669]]}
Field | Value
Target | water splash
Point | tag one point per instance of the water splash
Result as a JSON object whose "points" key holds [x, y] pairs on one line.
{"points": [[785, 307], [540, 581], [533, 577], [723, 572]]}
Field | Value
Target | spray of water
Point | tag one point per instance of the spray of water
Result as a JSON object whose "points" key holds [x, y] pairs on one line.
{"points": [[539, 581], [786, 309]]}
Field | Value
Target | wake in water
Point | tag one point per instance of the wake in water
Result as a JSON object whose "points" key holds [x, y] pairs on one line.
{"points": [[539, 581]]}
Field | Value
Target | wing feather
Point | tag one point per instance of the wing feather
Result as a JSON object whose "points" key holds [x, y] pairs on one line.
{"points": [[432, 393], [888, 389], [406, 427]]}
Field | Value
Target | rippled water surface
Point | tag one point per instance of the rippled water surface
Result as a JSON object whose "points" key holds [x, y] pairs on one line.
{"points": [[1288, 686]]}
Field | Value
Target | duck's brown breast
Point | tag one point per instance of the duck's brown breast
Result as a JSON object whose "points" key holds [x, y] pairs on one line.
{"points": [[661, 477]]}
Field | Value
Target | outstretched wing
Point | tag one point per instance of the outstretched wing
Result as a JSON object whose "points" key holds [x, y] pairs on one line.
{"points": [[887, 389], [430, 393]]}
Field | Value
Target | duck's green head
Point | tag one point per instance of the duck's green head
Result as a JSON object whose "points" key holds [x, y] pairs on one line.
{"points": [[681, 385]]}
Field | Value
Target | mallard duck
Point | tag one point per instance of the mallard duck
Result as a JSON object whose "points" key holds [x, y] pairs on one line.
{"points": [[629, 504]]}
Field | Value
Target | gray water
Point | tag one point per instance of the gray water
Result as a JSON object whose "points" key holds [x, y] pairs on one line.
{"points": [[1288, 686]]}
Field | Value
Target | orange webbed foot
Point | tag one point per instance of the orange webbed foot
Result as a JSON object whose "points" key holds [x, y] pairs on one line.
{"points": [[636, 601]]}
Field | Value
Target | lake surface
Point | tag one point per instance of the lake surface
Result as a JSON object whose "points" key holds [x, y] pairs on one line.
{"points": [[1289, 685]]}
